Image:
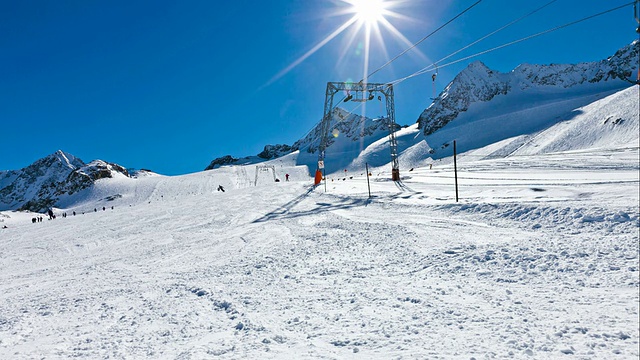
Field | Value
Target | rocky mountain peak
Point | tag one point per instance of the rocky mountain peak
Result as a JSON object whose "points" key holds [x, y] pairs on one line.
{"points": [[41, 184], [66, 159]]}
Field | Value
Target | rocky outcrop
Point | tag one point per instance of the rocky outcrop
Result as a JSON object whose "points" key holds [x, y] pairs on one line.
{"points": [[221, 161], [274, 151]]}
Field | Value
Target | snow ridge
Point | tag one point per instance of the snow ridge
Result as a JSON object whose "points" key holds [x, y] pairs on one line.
{"points": [[478, 83]]}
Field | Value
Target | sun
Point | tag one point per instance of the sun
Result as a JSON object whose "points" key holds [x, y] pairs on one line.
{"points": [[369, 11], [367, 17]]}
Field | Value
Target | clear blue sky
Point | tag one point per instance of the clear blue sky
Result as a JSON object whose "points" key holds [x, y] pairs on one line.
{"points": [[171, 85]]}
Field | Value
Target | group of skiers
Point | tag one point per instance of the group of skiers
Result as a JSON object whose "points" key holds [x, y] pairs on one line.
{"points": [[52, 216], [64, 215]]}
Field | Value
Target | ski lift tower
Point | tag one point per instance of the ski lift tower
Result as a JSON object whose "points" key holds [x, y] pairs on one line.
{"points": [[361, 92]]}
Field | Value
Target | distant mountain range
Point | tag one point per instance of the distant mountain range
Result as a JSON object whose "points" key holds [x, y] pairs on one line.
{"points": [[465, 99], [489, 113]]}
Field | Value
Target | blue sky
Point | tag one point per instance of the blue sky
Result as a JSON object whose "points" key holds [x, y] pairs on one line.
{"points": [[169, 85]]}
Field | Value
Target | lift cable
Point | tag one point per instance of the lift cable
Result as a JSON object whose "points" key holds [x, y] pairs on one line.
{"points": [[435, 65], [395, 82], [344, 98], [421, 40]]}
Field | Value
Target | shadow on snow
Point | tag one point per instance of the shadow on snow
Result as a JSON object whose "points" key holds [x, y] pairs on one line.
{"points": [[285, 211]]}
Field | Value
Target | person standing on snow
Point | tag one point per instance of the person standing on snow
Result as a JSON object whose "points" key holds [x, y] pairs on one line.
{"points": [[286, 177]]}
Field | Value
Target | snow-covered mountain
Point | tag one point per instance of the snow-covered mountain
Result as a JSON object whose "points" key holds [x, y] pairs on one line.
{"points": [[42, 184], [349, 134], [480, 107], [479, 84], [269, 152], [344, 127]]}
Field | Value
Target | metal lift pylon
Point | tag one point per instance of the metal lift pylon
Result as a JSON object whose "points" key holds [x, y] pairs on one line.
{"points": [[360, 92]]}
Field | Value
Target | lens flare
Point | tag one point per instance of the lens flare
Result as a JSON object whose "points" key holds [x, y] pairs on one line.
{"points": [[366, 19], [369, 11]]}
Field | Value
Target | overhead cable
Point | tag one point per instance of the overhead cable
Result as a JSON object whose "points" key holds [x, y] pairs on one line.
{"points": [[435, 64], [421, 40], [515, 42]]}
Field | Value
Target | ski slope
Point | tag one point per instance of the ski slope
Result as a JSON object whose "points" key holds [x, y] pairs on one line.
{"points": [[538, 259]]}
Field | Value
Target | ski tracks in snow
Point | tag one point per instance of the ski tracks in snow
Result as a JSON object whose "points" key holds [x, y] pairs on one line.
{"points": [[288, 271]]}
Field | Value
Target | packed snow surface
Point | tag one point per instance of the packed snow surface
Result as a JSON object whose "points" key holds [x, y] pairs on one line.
{"points": [[538, 259]]}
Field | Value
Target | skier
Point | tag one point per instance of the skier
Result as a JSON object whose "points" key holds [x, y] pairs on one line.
{"points": [[286, 177], [220, 188], [50, 213]]}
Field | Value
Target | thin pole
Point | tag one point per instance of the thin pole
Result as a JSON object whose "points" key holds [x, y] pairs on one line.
{"points": [[325, 180], [455, 168], [368, 186]]}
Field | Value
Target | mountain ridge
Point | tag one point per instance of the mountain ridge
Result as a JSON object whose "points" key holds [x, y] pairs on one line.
{"points": [[478, 83], [41, 185]]}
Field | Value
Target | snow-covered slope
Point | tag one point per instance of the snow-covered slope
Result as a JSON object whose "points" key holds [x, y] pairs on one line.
{"points": [[609, 123], [536, 261], [561, 125], [525, 87]]}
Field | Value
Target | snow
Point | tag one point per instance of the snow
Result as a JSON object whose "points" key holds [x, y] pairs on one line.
{"points": [[539, 259]]}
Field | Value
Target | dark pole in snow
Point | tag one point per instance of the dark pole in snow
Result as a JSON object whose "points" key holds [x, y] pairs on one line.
{"points": [[455, 168], [368, 186], [325, 180]]}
